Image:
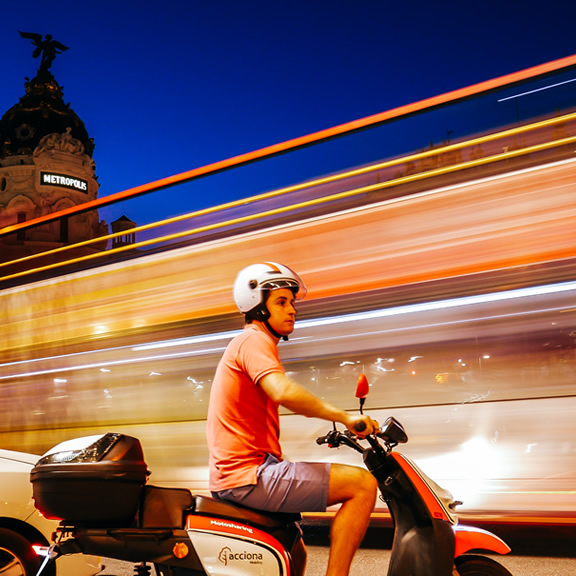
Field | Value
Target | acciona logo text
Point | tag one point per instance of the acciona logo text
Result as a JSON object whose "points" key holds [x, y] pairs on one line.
{"points": [[226, 555]]}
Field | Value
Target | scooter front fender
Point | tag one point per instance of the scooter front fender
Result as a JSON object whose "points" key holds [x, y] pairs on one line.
{"points": [[470, 538]]}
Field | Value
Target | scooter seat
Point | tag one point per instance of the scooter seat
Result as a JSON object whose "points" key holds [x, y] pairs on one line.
{"points": [[204, 505]]}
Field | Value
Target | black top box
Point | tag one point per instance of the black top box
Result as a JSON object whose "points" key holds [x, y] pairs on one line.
{"points": [[95, 480]]}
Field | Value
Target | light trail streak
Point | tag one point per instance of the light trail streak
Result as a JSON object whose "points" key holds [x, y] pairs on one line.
{"points": [[302, 324], [187, 341], [109, 363], [310, 184], [71, 355], [306, 204], [304, 140], [441, 304], [537, 90]]}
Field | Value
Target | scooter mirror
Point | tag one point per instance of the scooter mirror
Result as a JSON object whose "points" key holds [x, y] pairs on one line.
{"points": [[362, 387]]}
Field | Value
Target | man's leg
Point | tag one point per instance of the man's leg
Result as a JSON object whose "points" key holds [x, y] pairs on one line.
{"points": [[356, 489]]}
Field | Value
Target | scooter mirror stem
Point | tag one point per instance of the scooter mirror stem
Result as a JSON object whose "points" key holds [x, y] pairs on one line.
{"points": [[362, 400]]}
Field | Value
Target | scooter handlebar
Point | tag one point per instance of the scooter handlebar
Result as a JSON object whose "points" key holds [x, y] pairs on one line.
{"points": [[321, 440], [360, 426], [335, 438]]}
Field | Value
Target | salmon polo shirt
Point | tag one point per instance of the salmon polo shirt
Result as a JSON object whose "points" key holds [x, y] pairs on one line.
{"points": [[243, 424]]}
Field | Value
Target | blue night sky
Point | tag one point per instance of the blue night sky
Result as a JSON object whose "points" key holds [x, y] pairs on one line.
{"points": [[164, 87]]}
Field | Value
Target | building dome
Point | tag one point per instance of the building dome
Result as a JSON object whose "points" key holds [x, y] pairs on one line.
{"points": [[40, 112], [46, 166]]}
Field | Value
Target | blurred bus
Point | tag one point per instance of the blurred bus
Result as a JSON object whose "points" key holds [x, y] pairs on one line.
{"points": [[449, 281]]}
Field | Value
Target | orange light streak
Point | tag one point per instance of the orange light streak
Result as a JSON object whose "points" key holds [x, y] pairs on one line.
{"points": [[310, 203], [283, 209], [301, 141]]}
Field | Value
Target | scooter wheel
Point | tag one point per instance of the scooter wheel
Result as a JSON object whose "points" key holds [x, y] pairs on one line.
{"points": [[472, 565]]}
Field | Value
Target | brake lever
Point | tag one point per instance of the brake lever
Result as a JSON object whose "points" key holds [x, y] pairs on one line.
{"points": [[335, 439], [328, 438], [351, 440]]}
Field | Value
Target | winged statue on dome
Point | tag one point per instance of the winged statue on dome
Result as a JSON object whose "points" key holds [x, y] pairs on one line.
{"points": [[47, 47]]}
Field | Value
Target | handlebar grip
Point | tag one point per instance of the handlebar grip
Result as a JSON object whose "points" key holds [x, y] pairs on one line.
{"points": [[360, 427]]}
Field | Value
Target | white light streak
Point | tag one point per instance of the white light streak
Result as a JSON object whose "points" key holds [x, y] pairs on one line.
{"points": [[187, 341], [328, 321], [537, 90], [441, 304], [113, 363]]}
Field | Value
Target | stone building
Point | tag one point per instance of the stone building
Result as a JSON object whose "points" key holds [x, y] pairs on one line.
{"points": [[46, 165]]}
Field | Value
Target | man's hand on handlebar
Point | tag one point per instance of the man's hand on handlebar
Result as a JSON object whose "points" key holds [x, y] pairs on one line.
{"points": [[362, 425]]}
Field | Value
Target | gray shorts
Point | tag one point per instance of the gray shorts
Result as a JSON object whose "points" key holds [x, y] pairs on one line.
{"points": [[284, 486]]}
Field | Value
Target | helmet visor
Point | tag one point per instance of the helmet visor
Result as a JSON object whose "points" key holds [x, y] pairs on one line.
{"points": [[297, 286]]}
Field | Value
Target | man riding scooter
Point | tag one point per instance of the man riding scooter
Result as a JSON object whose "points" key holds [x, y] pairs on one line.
{"points": [[246, 464]]}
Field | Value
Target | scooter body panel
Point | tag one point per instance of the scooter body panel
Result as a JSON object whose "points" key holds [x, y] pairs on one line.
{"points": [[226, 547], [420, 550], [429, 492], [470, 538], [426, 535], [169, 547]]}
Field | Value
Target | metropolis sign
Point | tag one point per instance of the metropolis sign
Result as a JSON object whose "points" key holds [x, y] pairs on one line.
{"points": [[52, 179]]}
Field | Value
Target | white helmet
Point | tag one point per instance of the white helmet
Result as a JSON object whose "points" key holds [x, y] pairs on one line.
{"points": [[252, 283]]}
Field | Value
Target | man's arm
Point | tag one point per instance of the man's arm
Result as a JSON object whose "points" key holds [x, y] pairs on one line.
{"points": [[284, 391]]}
